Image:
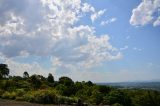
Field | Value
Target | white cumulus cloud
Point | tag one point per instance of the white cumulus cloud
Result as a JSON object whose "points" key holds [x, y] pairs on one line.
{"points": [[146, 12], [48, 28], [157, 22], [108, 21], [98, 14]]}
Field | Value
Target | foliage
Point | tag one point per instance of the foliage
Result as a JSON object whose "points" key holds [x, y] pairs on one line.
{"points": [[50, 78], [4, 71], [66, 100], [9, 95], [66, 81], [44, 97], [35, 81], [117, 96], [25, 74], [38, 89]]}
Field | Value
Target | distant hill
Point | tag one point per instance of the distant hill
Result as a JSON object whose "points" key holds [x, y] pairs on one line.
{"points": [[130, 85]]}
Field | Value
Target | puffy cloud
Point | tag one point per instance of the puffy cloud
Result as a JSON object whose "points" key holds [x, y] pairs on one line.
{"points": [[87, 8], [98, 14], [14, 25], [146, 13], [17, 68], [108, 21], [157, 22], [48, 28]]}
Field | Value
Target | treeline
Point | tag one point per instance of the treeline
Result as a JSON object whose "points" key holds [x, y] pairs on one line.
{"points": [[38, 89]]}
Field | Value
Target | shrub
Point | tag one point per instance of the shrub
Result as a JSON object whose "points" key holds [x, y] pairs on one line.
{"points": [[117, 96], [1, 92], [28, 97], [9, 95], [20, 92], [66, 100], [41, 96], [44, 97]]}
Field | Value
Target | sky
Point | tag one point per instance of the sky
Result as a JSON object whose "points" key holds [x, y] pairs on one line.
{"points": [[97, 40]]}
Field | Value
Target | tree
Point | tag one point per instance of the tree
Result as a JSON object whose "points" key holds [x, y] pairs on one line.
{"points": [[41, 78], [25, 74], [89, 83], [66, 81], [117, 96], [4, 71], [35, 81], [104, 89], [50, 78], [96, 97]]}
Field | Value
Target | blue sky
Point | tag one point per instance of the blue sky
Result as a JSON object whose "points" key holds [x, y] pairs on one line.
{"points": [[101, 41]]}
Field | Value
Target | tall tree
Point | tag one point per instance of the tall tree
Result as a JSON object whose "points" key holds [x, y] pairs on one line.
{"points": [[4, 70], [50, 78], [66, 81], [35, 81], [25, 74]]}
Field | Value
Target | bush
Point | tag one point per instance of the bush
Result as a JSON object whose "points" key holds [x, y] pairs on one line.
{"points": [[29, 97], [41, 96], [117, 96], [66, 100], [44, 97], [9, 95], [20, 92], [4, 84], [1, 92]]}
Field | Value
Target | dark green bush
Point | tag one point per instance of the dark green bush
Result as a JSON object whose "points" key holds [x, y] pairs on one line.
{"points": [[41, 96], [66, 100], [117, 96], [29, 97], [44, 97], [9, 95], [20, 92], [1, 92]]}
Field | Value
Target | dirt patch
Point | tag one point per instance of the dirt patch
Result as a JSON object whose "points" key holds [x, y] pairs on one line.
{"points": [[4, 102]]}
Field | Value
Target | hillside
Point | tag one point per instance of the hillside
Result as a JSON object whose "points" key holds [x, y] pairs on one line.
{"points": [[39, 89]]}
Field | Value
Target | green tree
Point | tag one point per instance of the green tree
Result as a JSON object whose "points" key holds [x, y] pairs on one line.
{"points": [[96, 97], [104, 89], [4, 70], [25, 74], [146, 98], [50, 78], [78, 85], [117, 96], [41, 78], [66, 81], [35, 81], [89, 83]]}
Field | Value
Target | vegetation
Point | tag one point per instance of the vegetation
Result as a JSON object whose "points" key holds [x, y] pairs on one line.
{"points": [[38, 89]]}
